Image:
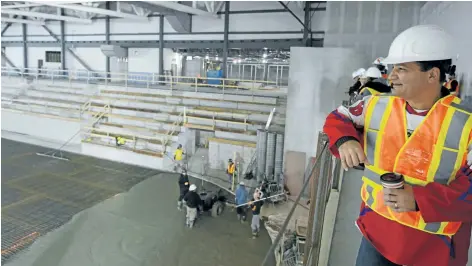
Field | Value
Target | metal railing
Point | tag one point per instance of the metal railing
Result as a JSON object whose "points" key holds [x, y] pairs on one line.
{"points": [[214, 119], [146, 80], [171, 131], [297, 245]]}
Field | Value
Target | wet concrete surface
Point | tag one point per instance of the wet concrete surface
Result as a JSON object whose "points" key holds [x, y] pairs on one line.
{"points": [[143, 227], [139, 227]]}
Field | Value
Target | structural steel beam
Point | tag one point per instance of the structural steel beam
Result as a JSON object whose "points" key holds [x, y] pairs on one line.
{"points": [[98, 11], [307, 21], [58, 40], [183, 8], [226, 40], [25, 47], [4, 56], [161, 45], [263, 11], [293, 14], [190, 44], [63, 44], [23, 21], [6, 27], [35, 5], [107, 39], [44, 15]]}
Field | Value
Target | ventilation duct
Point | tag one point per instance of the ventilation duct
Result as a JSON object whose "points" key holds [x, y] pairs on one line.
{"points": [[114, 51]]}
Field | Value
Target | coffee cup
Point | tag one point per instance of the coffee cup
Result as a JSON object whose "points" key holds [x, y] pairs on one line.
{"points": [[392, 180]]}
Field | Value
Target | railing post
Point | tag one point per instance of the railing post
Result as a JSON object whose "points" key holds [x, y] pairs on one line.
{"points": [[196, 83]]}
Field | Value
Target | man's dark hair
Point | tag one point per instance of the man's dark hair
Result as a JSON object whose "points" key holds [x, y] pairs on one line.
{"points": [[443, 66]]}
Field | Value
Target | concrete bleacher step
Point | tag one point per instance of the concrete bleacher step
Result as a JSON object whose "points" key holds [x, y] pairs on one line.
{"points": [[251, 144], [96, 141], [131, 141]]}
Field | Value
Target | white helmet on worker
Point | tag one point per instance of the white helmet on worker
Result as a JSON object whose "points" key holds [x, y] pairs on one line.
{"points": [[421, 43], [358, 73], [372, 72], [381, 66], [192, 187]]}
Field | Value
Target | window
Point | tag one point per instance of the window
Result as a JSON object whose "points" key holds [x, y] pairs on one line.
{"points": [[53, 57]]}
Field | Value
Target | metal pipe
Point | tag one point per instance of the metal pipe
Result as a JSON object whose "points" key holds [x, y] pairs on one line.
{"points": [[290, 214], [25, 48], [261, 147]]}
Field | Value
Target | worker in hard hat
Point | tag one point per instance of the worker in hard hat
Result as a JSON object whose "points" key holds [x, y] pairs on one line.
{"points": [[256, 204], [184, 185], [354, 89], [230, 170], [452, 84], [241, 198], [383, 68], [193, 202], [120, 141], [178, 156], [417, 142], [371, 83]]}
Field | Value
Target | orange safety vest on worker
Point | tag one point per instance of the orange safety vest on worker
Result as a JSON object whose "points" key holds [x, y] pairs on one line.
{"points": [[231, 168], [448, 86], [433, 153]]}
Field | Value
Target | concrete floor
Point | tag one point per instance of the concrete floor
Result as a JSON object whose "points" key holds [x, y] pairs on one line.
{"points": [[139, 227]]}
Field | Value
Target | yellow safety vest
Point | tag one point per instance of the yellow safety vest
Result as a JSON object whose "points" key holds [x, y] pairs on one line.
{"points": [[231, 168], [178, 154], [366, 91], [435, 151], [121, 140]]}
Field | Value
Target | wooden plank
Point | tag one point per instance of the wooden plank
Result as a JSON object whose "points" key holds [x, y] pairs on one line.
{"points": [[145, 152]]}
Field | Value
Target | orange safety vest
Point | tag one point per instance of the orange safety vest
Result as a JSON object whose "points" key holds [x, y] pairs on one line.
{"points": [[448, 86], [231, 168], [433, 153]]}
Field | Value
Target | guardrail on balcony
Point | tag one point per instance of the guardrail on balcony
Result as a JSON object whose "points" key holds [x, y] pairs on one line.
{"points": [[146, 80]]}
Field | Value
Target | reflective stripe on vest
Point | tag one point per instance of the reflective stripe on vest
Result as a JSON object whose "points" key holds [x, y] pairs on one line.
{"points": [[231, 168], [366, 91], [434, 153]]}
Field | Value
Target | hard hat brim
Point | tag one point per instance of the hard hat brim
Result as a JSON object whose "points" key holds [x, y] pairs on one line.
{"points": [[398, 60]]}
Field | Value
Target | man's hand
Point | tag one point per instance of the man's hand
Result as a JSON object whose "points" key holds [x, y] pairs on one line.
{"points": [[400, 200], [351, 154]]}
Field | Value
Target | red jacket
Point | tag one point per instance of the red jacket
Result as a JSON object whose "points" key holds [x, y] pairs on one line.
{"points": [[404, 245]]}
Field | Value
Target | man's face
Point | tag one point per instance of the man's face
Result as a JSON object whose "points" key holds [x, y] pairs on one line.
{"points": [[408, 81]]}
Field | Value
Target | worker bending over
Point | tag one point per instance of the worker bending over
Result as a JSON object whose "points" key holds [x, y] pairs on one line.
{"points": [[417, 142], [256, 212], [241, 198], [193, 202], [184, 185], [178, 156], [230, 171]]}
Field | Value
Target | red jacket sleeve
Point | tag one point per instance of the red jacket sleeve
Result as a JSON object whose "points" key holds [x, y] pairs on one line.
{"points": [[453, 202], [337, 126]]}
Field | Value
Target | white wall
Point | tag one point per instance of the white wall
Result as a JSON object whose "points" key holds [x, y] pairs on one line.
{"points": [[453, 17], [369, 27]]}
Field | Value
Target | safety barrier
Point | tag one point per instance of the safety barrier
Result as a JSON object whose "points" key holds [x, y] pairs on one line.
{"points": [[300, 243], [140, 79]]}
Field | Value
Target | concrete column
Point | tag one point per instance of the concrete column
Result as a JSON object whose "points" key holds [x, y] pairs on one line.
{"points": [[161, 46], [25, 47], [63, 44], [318, 80]]}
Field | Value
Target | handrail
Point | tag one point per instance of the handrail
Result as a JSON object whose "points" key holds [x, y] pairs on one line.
{"points": [[148, 79], [171, 131], [322, 179]]}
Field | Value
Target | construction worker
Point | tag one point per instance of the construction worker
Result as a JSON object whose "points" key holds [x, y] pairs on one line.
{"points": [[422, 135], [120, 141], [193, 202], [378, 63], [241, 198], [184, 185], [452, 84], [178, 156], [356, 75], [256, 204], [230, 171]]}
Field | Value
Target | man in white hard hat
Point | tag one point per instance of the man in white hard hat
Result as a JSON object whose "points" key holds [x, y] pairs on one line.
{"points": [[417, 184], [192, 201], [382, 67], [356, 75], [372, 83], [241, 198]]}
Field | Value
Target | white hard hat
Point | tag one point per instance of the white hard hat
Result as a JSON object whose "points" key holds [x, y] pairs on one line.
{"points": [[192, 187], [372, 72], [358, 73], [421, 43], [378, 61], [241, 183]]}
